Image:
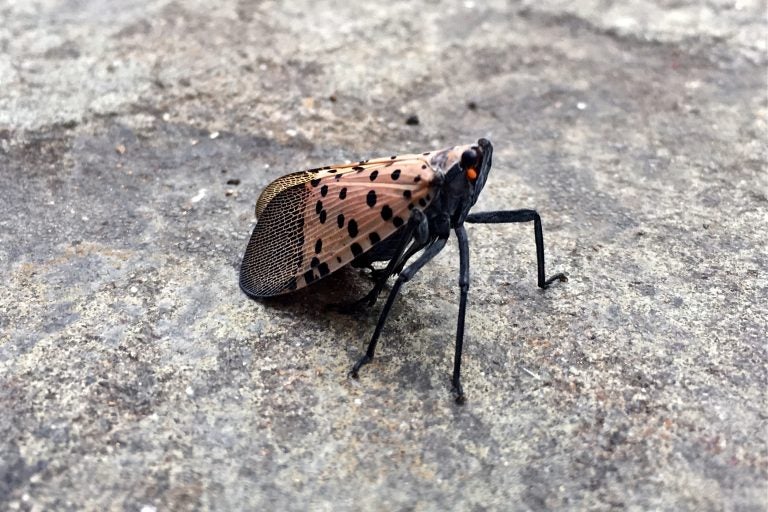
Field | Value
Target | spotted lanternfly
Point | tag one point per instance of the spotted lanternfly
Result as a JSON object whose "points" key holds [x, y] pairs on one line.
{"points": [[312, 223]]}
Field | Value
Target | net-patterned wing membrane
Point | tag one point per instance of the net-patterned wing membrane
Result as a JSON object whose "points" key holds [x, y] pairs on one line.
{"points": [[312, 223]]}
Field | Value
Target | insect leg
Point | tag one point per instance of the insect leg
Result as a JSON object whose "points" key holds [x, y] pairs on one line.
{"points": [[417, 245], [415, 241], [461, 236], [506, 216], [414, 232], [430, 252]]}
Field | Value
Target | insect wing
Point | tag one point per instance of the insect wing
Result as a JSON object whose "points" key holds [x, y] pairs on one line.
{"points": [[314, 222]]}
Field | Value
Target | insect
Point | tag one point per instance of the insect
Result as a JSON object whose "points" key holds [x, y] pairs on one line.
{"points": [[399, 210]]}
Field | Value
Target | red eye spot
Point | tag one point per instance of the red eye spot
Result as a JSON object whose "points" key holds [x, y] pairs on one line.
{"points": [[471, 174]]}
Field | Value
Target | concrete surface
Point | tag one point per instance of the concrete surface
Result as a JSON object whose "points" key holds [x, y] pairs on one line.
{"points": [[134, 374]]}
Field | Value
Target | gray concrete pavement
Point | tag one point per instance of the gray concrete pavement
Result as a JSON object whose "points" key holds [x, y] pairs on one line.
{"points": [[134, 374]]}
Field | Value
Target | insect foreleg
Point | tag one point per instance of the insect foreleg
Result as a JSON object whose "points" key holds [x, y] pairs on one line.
{"points": [[508, 216], [430, 252]]}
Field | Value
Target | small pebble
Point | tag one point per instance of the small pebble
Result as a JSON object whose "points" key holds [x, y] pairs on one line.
{"points": [[199, 196]]}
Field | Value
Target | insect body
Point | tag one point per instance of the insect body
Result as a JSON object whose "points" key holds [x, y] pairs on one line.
{"points": [[311, 223]]}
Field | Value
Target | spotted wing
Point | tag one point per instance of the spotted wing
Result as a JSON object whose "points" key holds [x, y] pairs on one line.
{"points": [[314, 222]]}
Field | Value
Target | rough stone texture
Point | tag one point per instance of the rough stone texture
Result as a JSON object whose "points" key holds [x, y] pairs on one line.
{"points": [[134, 374]]}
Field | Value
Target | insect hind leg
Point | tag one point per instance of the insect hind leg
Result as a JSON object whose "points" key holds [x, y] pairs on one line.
{"points": [[430, 252], [367, 301], [509, 216], [461, 236], [415, 234]]}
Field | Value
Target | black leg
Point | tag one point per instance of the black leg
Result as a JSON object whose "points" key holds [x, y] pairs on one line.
{"points": [[461, 236], [506, 216], [417, 222], [421, 238], [404, 277]]}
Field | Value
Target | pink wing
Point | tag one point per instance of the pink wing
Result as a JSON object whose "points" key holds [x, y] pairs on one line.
{"points": [[314, 222]]}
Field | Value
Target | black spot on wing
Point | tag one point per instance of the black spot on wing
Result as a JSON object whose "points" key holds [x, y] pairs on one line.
{"points": [[386, 212], [356, 249], [374, 175], [370, 199], [395, 175], [352, 228]]}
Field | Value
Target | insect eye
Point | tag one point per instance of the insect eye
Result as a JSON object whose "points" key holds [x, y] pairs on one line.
{"points": [[469, 161]]}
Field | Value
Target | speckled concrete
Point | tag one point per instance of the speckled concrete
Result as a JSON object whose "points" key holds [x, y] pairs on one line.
{"points": [[134, 374]]}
